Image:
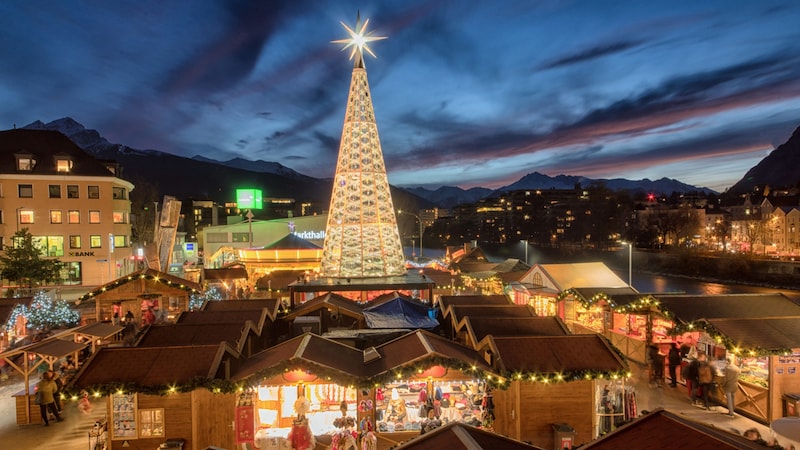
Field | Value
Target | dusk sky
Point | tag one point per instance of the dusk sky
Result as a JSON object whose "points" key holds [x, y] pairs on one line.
{"points": [[466, 93]]}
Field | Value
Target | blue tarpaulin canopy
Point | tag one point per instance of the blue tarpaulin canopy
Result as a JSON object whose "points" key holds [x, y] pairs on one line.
{"points": [[399, 313]]}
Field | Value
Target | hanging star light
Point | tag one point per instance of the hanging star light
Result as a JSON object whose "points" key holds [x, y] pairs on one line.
{"points": [[359, 39]]}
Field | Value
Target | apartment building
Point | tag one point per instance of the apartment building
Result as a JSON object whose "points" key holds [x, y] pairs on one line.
{"points": [[76, 207]]}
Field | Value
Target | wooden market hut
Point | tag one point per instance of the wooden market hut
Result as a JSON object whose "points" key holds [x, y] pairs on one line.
{"points": [[44, 353], [457, 436], [10, 333], [473, 329], [323, 313], [139, 290], [692, 320], [664, 429], [270, 304], [368, 382], [767, 350], [575, 379], [542, 286], [626, 317], [159, 393], [456, 313]]}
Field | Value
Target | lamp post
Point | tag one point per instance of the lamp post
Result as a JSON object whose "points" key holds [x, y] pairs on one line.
{"points": [[18, 210], [420, 228], [526, 250], [630, 264]]}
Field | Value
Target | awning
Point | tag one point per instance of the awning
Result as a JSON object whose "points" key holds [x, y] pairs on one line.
{"points": [[101, 330], [399, 313], [56, 348]]}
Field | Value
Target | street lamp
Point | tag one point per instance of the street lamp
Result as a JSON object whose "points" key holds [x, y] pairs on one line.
{"points": [[420, 228], [18, 210], [630, 263], [526, 250]]}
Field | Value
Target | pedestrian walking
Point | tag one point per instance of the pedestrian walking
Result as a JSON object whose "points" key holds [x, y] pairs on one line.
{"points": [[46, 389], [674, 360], [705, 378], [731, 384]]}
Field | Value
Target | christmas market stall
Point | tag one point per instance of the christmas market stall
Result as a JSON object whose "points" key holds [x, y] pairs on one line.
{"points": [[12, 320], [457, 313], [31, 359], [459, 435], [578, 381], [152, 394], [473, 329], [314, 386], [630, 320], [767, 352], [143, 298], [664, 429], [542, 285]]}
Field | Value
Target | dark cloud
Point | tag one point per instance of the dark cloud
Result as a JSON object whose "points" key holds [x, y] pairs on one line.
{"points": [[591, 53]]}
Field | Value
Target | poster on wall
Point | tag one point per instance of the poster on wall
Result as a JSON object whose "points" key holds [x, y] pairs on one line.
{"points": [[245, 424], [123, 419]]}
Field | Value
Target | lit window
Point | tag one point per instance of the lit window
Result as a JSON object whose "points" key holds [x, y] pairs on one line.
{"points": [[119, 217], [49, 245], [55, 190], [25, 163], [94, 191], [25, 191], [120, 241], [55, 216], [26, 216], [75, 241], [95, 241], [72, 191], [74, 216], [63, 165], [94, 216], [151, 422]]}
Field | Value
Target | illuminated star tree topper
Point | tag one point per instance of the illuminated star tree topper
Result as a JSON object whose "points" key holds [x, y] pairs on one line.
{"points": [[358, 41]]}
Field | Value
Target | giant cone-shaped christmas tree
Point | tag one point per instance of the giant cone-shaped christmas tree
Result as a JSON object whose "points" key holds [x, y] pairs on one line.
{"points": [[361, 238]]}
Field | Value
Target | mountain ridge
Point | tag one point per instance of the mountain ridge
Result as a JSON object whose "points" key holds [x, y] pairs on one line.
{"points": [[286, 182]]}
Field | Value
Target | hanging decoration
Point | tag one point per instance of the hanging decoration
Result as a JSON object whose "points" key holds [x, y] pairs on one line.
{"points": [[142, 276]]}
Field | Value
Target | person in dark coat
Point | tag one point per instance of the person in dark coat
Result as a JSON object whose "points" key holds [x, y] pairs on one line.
{"points": [[656, 365], [674, 360]]}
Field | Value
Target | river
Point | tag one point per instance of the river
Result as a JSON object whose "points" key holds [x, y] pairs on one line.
{"points": [[648, 283]]}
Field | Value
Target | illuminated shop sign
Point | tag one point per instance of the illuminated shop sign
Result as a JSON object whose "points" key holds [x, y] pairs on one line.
{"points": [[310, 235]]}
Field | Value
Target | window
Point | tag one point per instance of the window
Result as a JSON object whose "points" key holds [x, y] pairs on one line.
{"points": [[71, 273], [25, 191], [25, 162], [55, 191], [217, 237], [63, 165], [120, 241], [118, 193], [240, 237], [151, 422], [95, 241], [49, 245], [94, 216], [26, 216], [119, 217], [55, 216], [75, 241], [72, 191], [73, 216], [94, 191]]}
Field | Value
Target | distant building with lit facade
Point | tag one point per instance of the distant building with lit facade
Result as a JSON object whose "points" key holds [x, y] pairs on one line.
{"points": [[76, 207]]}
